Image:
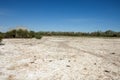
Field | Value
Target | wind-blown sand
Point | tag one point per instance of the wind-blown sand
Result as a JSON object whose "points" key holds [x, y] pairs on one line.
{"points": [[60, 58]]}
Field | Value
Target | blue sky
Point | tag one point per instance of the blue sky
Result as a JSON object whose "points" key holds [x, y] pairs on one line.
{"points": [[60, 15]]}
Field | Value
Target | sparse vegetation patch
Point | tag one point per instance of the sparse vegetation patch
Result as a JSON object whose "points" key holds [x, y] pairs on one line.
{"points": [[1, 37]]}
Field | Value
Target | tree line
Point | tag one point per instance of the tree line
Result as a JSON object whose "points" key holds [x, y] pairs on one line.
{"points": [[24, 33], [108, 33]]}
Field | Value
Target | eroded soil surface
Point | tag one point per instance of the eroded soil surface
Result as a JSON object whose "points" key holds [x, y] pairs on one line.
{"points": [[60, 58]]}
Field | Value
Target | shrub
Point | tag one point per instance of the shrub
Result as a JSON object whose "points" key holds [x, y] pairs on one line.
{"points": [[37, 36], [1, 37]]}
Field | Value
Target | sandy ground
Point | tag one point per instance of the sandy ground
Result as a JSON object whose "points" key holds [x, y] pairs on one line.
{"points": [[60, 58]]}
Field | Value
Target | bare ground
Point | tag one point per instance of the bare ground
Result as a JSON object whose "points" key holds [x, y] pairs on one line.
{"points": [[60, 58]]}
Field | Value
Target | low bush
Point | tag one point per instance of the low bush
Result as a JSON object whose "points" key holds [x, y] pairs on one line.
{"points": [[1, 37], [37, 36]]}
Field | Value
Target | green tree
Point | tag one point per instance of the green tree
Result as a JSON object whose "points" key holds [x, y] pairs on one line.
{"points": [[31, 34], [10, 34], [110, 33]]}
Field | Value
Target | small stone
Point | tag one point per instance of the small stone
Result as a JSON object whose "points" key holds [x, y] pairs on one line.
{"points": [[106, 71], [61, 59], [68, 60], [94, 63], [113, 53], [67, 65], [50, 60], [11, 77], [31, 62], [26, 65], [85, 68]]}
